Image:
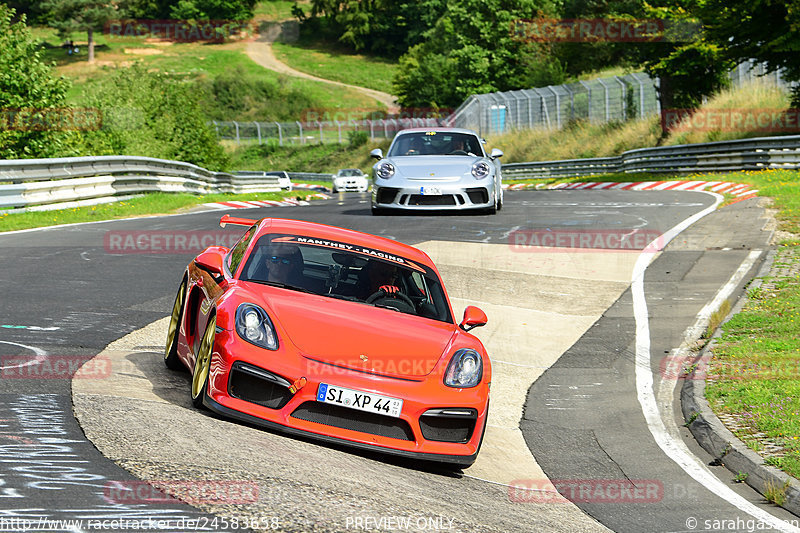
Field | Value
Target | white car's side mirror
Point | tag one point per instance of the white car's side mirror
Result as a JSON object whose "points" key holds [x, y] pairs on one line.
{"points": [[377, 153], [496, 153]]}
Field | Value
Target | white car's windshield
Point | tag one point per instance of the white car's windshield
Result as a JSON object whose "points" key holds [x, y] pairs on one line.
{"points": [[349, 172], [436, 143]]}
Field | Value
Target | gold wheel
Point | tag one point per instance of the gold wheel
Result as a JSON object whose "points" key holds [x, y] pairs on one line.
{"points": [[171, 351], [202, 363]]}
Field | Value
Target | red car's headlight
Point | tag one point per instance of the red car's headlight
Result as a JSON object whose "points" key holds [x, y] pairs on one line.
{"points": [[465, 369], [254, 326]]}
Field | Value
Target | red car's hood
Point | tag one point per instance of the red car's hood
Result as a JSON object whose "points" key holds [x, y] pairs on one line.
{"points": [[359, 336]]}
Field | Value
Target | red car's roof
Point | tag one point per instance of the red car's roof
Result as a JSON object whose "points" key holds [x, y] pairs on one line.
{"points": [[324, 231]]}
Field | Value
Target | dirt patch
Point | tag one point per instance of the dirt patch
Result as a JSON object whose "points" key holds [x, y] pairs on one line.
{"points": [[143, 51]]}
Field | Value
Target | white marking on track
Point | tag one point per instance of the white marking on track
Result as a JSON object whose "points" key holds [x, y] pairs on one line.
{"points": [[40, 355], [657, 421]]}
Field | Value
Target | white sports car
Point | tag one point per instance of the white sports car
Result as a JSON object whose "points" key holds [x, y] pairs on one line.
{"points": [[437, 169], [350, 179]]}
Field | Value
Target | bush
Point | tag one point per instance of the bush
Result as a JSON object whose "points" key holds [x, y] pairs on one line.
{"points": [[151, 114], [235, 95], [357, 138], [28, 85]]}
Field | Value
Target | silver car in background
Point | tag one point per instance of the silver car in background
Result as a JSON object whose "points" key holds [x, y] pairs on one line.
{"points": [[436, 169], [350, 179]]}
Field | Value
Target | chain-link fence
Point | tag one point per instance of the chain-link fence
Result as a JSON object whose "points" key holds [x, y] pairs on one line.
{"points": [[600, 100], [553, 107], [291, 133]]}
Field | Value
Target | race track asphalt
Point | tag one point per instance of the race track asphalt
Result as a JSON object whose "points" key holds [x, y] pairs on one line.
{"points": [[72, 279]]}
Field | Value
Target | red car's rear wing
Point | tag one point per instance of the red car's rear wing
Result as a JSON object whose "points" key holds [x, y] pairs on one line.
{"points": [[227, 219]]}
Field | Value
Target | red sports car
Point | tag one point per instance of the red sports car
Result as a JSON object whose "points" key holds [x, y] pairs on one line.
{"points": [[336, 334]]}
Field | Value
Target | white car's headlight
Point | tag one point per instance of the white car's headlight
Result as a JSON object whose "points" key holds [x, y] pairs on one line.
{"points": [[481, 169], [254, 326], [465, 369], [385, 170]]}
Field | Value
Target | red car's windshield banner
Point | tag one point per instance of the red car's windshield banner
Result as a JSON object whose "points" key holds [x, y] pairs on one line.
{"points": [[324, 243]]}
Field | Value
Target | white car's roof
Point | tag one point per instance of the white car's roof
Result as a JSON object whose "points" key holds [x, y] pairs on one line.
{"points": [[438, 129]]}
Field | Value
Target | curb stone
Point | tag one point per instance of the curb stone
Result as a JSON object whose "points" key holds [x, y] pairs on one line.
{"points": [[741, 190], [717, 440]]}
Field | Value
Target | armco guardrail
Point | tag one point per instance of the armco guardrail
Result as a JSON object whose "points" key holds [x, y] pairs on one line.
{"points": [[58, 183], [745, 154]]}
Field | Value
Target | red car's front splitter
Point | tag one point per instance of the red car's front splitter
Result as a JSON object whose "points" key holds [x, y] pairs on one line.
{"points": [[461, 461]]}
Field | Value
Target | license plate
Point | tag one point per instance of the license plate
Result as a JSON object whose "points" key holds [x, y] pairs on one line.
{"points": [[430, 191], [363, 401]]}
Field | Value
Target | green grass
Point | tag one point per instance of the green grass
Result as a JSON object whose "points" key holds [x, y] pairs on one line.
{"points": [[274, 10], [189, 60], [325, 158], [756, 366], [331, 62], [149, 204]]}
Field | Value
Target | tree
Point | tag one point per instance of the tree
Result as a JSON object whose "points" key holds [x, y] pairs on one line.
{"points": [[765, 30], [31, 10], [383, 27], [68, 16], [29, 93], [689, 66], [213, 9], [472, 49]]}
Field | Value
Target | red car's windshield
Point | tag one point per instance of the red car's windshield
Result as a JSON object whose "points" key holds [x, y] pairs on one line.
{"points": [[347, 271]]}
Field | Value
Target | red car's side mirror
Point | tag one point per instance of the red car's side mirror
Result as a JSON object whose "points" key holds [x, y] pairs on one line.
{"points": [[211, 259], [473, 318]]}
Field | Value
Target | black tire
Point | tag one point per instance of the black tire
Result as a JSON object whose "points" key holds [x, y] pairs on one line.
{"points": [[202, 364], [171, 351]]}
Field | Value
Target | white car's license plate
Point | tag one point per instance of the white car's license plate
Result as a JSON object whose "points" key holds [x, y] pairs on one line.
{"points": [[430, 191], [363, 401]]}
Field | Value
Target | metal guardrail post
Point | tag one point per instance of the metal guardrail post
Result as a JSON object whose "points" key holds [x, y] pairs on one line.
{"points": [[320, 131], [280, 134], [236, 125], [339, 126], [300, 127], [258, 130]]}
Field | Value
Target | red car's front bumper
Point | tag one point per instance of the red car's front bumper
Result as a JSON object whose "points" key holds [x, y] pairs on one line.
{"points": [[252, 384]]}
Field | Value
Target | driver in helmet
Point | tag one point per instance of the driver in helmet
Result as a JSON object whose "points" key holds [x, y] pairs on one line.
{"points": [[379, 276]]}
